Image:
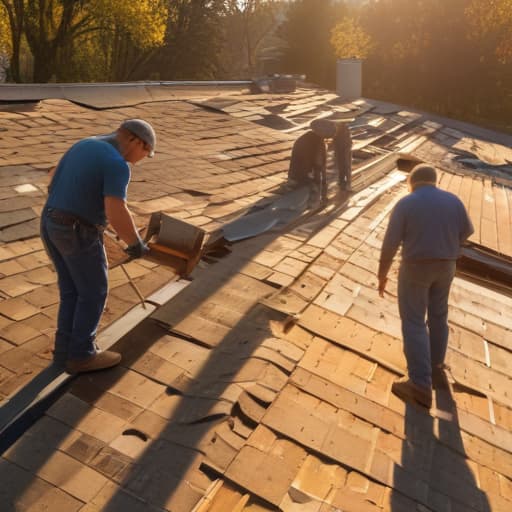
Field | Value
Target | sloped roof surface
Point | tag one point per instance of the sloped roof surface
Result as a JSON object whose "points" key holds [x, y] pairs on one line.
{"points": [[265, 383]]}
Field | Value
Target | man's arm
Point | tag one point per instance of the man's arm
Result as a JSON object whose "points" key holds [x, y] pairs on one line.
{"points": [[392, 240], [121, 220]]}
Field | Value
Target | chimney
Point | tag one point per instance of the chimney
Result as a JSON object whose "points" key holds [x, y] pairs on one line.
{"points": [[349, 81]]}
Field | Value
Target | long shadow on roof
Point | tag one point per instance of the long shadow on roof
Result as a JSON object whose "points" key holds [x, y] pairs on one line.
{"points": [[156, 475], [433, 469]]}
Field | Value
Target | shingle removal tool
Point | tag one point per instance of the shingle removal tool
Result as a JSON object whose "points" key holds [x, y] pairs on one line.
{"points": [[134, 286]]}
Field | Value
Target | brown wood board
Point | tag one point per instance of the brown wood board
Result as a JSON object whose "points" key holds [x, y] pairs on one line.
{"points": [[475, 209], [504, 219]]}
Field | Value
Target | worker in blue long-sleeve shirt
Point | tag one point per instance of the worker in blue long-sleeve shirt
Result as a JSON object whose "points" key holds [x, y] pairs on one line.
{"points": [[431, 225]]}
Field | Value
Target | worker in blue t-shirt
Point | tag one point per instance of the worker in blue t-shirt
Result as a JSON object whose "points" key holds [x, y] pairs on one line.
{"points": [[89, 189], [431, 225]]}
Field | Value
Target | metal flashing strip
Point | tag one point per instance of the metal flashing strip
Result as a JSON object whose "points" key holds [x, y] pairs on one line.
{"points": [[280, 212], [108, 95]]}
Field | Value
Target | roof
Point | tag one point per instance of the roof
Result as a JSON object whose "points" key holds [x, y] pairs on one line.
{"points": [[264, 382]]}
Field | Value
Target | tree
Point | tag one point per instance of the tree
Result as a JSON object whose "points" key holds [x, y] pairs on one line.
{"points": [[15, 13], [192, 41], [349, 40], [422, 54], [5, 32], [307, 33], [129, 32], [54, 29], [247, 25], [5, 43], [492, 19], [50, 27]]}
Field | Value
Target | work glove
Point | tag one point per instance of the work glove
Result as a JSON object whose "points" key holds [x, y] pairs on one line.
{"points": [[137, 250]]}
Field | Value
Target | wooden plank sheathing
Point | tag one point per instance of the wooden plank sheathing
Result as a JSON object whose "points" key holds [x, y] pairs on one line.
{"points": [[489, 381], [455, 184], [475, 209], [503, 221], [465, 193], [487, 305], [490, 153], [444, 179], [489, 231], [385, 412], [354, 285]]}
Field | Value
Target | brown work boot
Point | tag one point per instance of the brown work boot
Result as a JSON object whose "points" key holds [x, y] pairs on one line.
{"points": [[406, 390], [98, 361]]}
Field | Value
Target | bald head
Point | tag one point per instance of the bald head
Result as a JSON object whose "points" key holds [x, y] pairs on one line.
{"points": [[422, 174]]}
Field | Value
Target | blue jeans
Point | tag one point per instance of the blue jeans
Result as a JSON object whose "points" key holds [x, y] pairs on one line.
{"points": [[423, 289], [78, 254]]}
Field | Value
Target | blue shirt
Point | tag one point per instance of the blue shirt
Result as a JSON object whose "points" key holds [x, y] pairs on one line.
{"points": [[88, 172], [431, 224]]}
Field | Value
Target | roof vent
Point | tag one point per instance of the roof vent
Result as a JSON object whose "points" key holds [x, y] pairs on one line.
{"points": [[282, 84]]}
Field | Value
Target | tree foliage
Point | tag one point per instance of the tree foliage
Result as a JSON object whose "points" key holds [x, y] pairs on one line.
{"points": [[492, 19], [5, 32], [446, 57], [55, 29], [349, 39], [246, 26], [128, 32], [192, 41], [307, 33]]}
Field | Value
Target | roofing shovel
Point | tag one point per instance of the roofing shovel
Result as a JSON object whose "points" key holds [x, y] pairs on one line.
{"points": [[173, 242]]}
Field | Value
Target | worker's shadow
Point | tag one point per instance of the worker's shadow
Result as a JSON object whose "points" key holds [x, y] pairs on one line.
{"points": [[434, 470]]}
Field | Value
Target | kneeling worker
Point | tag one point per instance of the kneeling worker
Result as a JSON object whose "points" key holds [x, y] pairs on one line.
{"points": [[342, 145], [308, 162]]}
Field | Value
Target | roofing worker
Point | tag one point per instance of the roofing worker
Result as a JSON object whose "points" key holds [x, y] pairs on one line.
{"points": [[88, 189], [308, 162], [342, 144], [431, 225]]}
